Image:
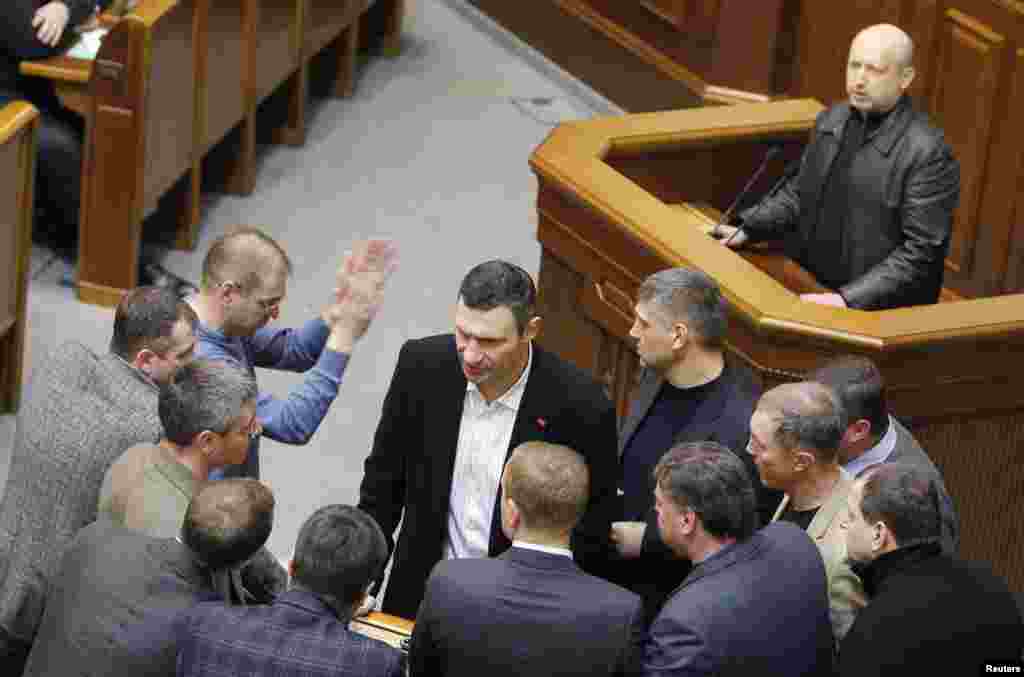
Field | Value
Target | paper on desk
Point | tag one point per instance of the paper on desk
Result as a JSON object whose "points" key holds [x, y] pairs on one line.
{"points": [[88, 44]]}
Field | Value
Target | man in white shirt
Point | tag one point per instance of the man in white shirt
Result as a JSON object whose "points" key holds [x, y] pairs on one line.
{"points": [[457, 405], [531, 610]]}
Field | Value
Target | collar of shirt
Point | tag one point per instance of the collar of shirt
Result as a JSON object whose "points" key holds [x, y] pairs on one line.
{"points": [[512, 397], [549, 549], [876, 454]]}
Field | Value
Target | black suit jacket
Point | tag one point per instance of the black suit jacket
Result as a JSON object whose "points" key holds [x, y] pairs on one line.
{"points": [[524, 613], [758, 607], [724, 418], [410, 467]]}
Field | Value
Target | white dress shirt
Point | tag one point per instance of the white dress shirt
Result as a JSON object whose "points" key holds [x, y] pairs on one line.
{"points": [[549, 549], [876, 454], [484, 435]]}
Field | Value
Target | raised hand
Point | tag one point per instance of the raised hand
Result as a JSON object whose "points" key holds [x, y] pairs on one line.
{"points": [[50, 21], [359, 291]]}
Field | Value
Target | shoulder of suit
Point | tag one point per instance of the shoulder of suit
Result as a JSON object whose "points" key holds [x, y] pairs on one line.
{"points": [[579, 384]]}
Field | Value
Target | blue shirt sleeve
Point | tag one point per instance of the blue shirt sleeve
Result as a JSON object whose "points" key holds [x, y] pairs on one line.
{"points": [[294, 419], [289, 349]]}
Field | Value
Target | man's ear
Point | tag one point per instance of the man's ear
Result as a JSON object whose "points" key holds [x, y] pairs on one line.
{"points": [[291, 568], [907, 77], [206, 441], [803, 459], [143, 359], [687, 522], [224, 290], [680, 335], [857, 431], [533, 328]]}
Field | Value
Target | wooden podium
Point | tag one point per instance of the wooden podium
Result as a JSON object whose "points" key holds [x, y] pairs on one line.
{"points": [[621, 198]]}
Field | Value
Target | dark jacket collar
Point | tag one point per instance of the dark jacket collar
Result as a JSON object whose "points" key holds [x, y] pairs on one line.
{"points": [[539, 560], [885, 137], [729, 555], [306, 601], [873, 574]]}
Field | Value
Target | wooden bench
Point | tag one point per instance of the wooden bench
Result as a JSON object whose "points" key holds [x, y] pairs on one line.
{"points": [[172, 80], [18, 122]]}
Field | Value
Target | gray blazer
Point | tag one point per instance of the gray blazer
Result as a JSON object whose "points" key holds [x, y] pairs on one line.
{"points": [[83, 411]]}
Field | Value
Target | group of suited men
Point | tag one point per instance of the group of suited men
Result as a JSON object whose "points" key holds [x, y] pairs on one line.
{"points": [[797, 531]]}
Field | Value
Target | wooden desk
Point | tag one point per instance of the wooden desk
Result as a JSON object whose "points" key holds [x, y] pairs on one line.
{"points": [[70, 78], [18, 123], [385, 627]]}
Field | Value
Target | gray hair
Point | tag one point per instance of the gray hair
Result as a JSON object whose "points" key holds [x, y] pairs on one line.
{"points": [[203, 395], [690, 296], [809, 416]]}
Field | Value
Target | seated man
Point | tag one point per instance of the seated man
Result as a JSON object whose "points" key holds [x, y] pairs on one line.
{"points": [[208, 411], [873, 436], [870, 212], [117, 591], [245, 278], [339, 552], [35, 29], [456, 407], [794, 439], [532, 610], [929, 611], [687, 393], [755, 602], [83, 410]]}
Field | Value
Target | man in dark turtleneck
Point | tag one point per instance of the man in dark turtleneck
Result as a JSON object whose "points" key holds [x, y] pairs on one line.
{"points": [[928, 612], [871, 210], [687, 393]]}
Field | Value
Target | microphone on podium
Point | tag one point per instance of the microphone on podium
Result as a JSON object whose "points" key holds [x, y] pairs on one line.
{"points": [[791, 168], [772, 152]]}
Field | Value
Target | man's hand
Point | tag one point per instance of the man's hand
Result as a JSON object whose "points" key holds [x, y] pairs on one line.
{"points": [[628, 538], [50, 21], [824, 299], [729, 235], [359, 292]]}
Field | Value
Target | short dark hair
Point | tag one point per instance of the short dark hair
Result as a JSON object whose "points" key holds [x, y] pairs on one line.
{"points": [[228, 521], [499, 283], [203, 395], [230, 258], [858, 384], [809, 415], [906, 499], [709, 479], [549, 483], [339, 551], [145, 320], [690, 296]]}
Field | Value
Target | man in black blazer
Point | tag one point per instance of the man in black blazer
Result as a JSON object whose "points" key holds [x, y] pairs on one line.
{"points": [[530, 611], [756, 601], [688, 392], [455, 408]]}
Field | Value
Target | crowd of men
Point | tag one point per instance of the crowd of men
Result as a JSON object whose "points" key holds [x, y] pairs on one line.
{"points": [[716, 530]]}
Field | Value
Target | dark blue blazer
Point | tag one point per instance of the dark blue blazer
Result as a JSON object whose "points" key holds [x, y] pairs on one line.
{"points": [[524, 613], [296, 635], [757, 607]]}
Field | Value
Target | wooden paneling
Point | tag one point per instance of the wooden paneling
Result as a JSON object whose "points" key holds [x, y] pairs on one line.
{"points": [[279, 43]]}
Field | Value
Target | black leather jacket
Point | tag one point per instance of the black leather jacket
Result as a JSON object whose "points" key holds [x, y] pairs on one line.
{"points": [[908, 183]]}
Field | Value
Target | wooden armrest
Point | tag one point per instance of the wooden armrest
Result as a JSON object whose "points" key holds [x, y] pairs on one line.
{"points": [[388, 622], [60, 68]]}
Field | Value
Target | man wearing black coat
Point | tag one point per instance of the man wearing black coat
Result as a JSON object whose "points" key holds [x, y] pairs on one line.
{"points": [[456, 407], [928, 611], [870, 212]]}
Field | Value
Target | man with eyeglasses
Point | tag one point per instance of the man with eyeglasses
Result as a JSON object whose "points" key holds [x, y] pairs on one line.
{"points": [[245, 276], [208, 412]]}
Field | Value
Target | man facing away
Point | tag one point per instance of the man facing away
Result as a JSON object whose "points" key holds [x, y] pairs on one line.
{"points": [[929, 611], [531, 610], [304, 633], [117, 592], [688, 392], [245, 279], [870, 212], [755, 602], [874, 436], [794, 439], [83, 410], [208, 412], [456, 407]]}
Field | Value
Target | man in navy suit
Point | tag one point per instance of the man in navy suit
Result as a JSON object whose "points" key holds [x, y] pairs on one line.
{"points": [[531, 610], [755, 603], [305, 632], [457, 405]]}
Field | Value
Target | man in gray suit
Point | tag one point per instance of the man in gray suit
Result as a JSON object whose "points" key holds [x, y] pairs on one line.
{"points": [[531, 610], [83, 411], [688, 392], [117, 593], [874, 436]]}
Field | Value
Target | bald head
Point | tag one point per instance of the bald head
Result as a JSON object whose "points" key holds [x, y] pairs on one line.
{"points": [[227, 521], [246, 257], [808, 416], [880, 68]]}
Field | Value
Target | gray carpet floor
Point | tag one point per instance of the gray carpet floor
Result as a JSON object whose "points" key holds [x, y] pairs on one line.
{"points": [[431, 151]]}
